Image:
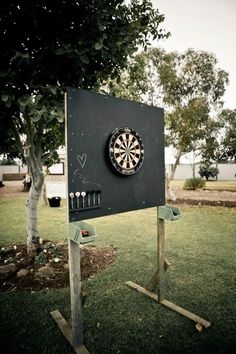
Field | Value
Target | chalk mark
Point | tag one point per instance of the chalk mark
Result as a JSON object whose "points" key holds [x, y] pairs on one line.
{"points": [[82, 159], [84, 179]]}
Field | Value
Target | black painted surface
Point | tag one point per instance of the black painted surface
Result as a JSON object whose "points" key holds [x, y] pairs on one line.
{"points": [[91, 118]]}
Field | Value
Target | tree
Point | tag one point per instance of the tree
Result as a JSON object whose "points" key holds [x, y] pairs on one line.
{"points": [[228, 143], [190, 87], [222, 147], [46, 46], [208, 171], [140, 80]]}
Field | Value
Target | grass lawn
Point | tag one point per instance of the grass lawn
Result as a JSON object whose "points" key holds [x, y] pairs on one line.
{"points": [[201, 248], [214, 185]]}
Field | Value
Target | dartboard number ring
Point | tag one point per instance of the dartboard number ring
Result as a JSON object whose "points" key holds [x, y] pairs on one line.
{"points": [[126, 151]]}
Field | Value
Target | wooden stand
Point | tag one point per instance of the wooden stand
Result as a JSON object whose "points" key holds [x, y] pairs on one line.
{"points": [[158, 279], [73, 333]]}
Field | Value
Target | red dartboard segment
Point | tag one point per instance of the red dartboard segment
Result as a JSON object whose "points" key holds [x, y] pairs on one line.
{"points": [[126, 151]]}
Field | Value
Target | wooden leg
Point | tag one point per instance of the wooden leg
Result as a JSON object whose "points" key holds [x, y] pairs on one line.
{"points": [[73, 332], [153, 282], [67, 332], [161, 256], [75, 294], [185, 313], [169, 304], [142, 290], [159, 278]]}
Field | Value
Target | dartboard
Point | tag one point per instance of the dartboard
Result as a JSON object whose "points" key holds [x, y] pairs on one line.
{"points": [[126, 151]]}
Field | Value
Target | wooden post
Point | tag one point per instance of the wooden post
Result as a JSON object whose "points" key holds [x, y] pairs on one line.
{"points": [[73, 332], [75, 294], [161, 256], [159, 279]]}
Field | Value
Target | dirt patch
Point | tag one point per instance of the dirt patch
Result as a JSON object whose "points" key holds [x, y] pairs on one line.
{"points": [[199, 202], [205, 194], [206, 197], [50, 268], [12, 188]]}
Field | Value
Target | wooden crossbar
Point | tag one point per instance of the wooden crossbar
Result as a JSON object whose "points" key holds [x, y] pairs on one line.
{"points": [[186, 313], [66, 331], [169, 304]]}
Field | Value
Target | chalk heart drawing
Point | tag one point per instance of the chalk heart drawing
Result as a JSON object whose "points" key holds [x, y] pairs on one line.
{"points": [[82, 159]]}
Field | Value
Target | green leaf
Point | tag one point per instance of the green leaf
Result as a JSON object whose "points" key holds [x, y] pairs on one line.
{"points": [[84, 59], [4, 73], [36, 118], [5, 98], [100, 27], [98, 45], [59, 51], [60, 119], [25, 100], [53, 90]]}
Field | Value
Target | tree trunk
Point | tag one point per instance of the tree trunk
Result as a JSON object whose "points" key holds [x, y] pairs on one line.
{"points": [[193, 165], [169, 193], [44, 188], [44, 195], [32, 215]]}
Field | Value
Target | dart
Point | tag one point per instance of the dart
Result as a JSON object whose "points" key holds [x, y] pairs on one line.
{"points": [[83, 194], [72, 199], [94, 198], [77, 199], [99, 198], [88, 198]]}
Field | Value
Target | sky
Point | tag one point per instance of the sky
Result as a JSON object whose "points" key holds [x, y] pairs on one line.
{"points": [[208, 25]]}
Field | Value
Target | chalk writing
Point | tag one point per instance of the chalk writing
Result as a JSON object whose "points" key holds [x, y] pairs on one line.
{"points": [[82, 159], [84, 179]]}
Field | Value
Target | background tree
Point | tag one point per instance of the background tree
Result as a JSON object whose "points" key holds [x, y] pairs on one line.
{"points": [[222, 147], [190, 87], [228, 143], [46, 46], [208, 171]]}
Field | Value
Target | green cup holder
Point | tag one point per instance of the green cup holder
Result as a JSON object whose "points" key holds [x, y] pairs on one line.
{"points": [[168, 212], [82, 232]]}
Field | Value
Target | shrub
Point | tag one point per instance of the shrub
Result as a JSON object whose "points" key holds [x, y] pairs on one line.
{"points": [[7, 161], [208, 171], [194, 183]]}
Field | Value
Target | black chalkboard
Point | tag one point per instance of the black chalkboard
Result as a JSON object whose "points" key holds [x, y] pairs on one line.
{"points": [[91, 119]]}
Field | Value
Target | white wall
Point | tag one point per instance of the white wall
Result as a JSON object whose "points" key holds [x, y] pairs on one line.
{"points": [[184, 171], [56, 189], [13, 169], [227, 172]]}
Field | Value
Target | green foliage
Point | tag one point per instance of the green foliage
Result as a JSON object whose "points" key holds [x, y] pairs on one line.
{"points": [[222, 147], [48, 251], [228, 144], [54, 45], [194, 183], [41, 258], [47, 46], [208, 171], [7, 161], [192, 86]]}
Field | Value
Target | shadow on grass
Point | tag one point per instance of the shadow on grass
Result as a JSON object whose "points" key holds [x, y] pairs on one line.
{"points": [[119, 320]]}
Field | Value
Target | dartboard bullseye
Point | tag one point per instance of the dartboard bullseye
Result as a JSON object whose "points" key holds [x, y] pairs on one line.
{"points": [[126, 151]]}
